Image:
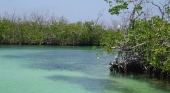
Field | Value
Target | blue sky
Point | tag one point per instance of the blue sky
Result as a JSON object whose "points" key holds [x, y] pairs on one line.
{"points": [[73, 10]]}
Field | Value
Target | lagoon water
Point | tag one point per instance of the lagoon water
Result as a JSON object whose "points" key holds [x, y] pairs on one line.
{"points": [[66, 69]]}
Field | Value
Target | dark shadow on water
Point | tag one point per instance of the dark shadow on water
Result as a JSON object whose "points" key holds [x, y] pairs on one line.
{"points": [[48, 52], [57, 66], [92, 84], [41, 55]]}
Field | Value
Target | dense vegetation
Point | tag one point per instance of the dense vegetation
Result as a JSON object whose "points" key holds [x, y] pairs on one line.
{"points": [[38, 31], [144, 42]]}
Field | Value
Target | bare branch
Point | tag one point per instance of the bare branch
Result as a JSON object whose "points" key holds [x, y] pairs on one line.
{"points": [[13, 16], [99, 16], [162, 10]]}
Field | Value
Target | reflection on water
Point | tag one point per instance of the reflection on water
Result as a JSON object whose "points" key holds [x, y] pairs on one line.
{"points": [[56, 69]]}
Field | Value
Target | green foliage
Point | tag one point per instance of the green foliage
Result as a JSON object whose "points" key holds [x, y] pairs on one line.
{"points": [[168, 9], [138, 7], [122, 5], [116, 9], [112, 38], [57, 33], [152, 38], [149, 38], [155, 33]]}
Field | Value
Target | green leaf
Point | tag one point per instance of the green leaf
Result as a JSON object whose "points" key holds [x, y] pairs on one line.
{"points": [[138, 7]]}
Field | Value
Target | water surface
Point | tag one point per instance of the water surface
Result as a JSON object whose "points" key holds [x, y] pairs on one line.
{"points": [[66, 69]]}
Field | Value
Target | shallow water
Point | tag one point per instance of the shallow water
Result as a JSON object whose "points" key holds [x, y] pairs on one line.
{"points": [[65, 69]]}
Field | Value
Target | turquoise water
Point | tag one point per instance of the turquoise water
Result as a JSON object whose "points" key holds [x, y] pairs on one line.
{"points": [[59, 69]]}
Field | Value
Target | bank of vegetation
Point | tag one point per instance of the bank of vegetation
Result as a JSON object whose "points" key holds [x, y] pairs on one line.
{"points": [[37, 29]]}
